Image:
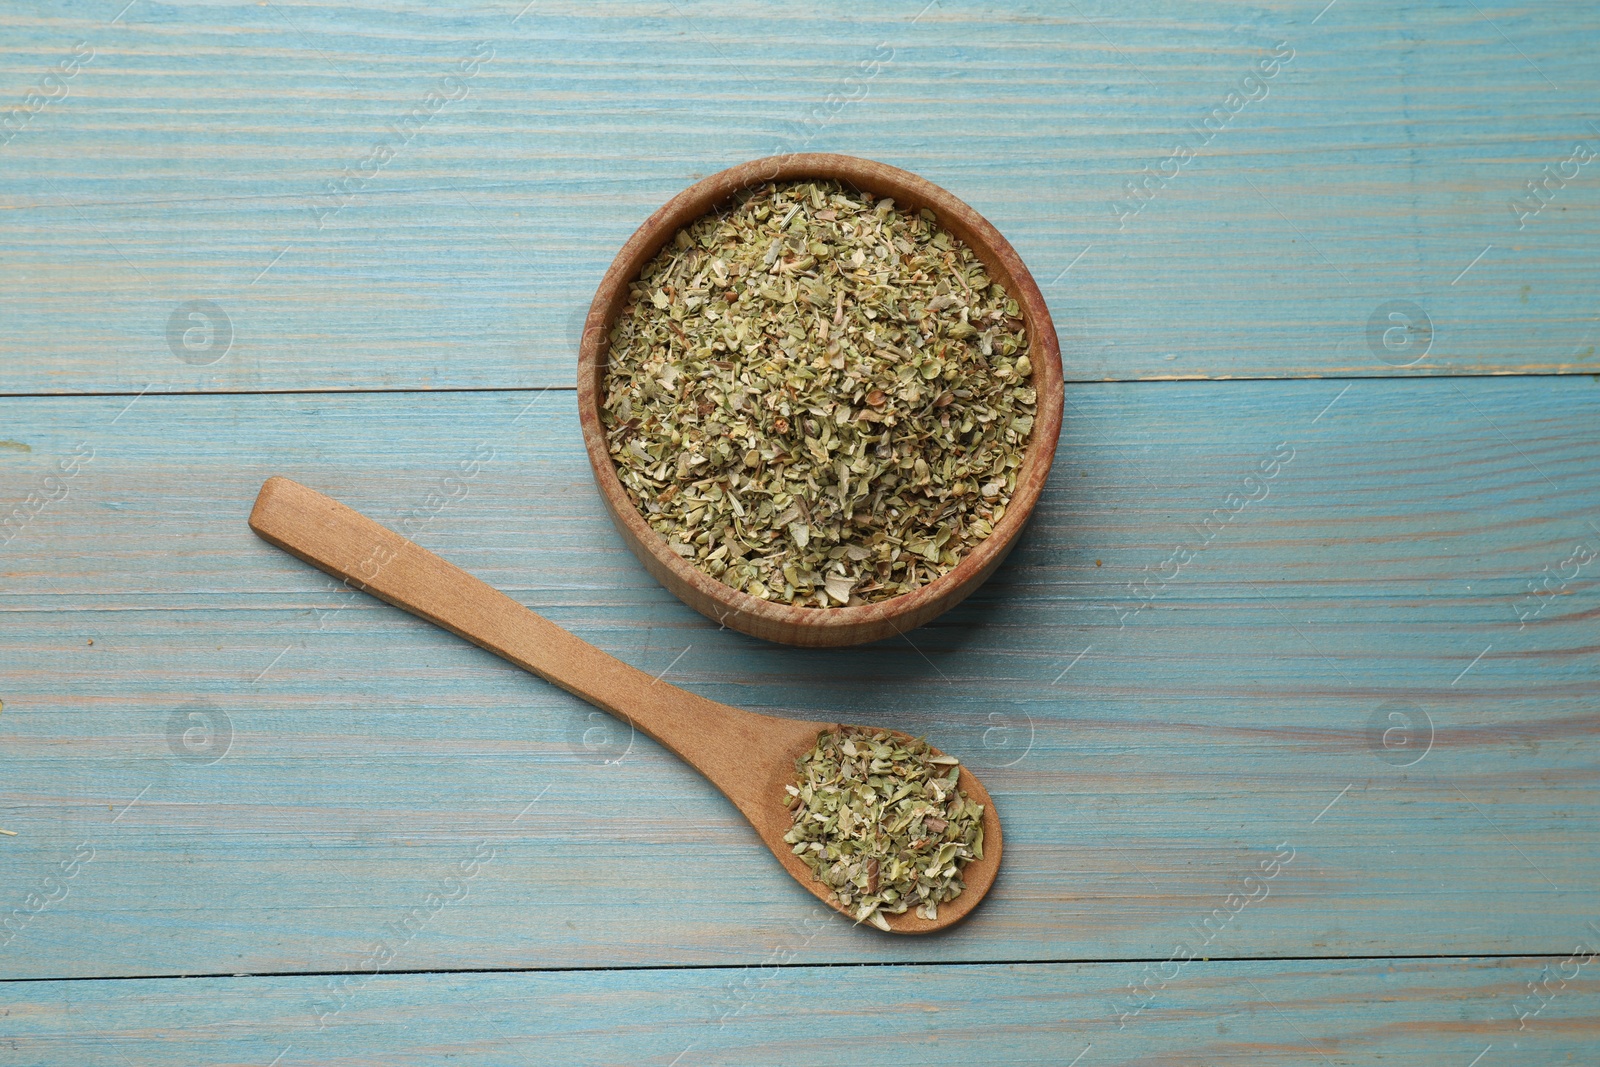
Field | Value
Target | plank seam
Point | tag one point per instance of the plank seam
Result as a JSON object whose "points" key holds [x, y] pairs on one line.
{"points": [[1108, 961]]}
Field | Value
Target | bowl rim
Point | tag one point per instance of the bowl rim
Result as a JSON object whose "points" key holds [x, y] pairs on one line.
{"points": [[907, 190]]}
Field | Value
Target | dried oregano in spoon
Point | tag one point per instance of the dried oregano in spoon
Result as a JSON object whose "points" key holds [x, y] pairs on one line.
{"points": [[879, 819], [819, 398]]}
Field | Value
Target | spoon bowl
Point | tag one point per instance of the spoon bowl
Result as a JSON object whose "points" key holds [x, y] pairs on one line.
{"points": [[749, 756], [775, 821]]}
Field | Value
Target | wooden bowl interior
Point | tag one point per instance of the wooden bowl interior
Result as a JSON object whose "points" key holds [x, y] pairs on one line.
{"points": [[787, 623]]}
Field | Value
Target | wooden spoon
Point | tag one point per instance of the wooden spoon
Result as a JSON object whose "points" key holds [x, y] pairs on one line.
{"points": [[749, 757]]}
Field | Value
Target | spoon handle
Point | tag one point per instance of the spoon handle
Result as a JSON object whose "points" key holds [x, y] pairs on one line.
{"points": [[722, 742]]}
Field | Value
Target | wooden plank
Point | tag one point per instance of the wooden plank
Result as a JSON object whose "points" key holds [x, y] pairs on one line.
{"points": [[1145, 761], [227, 154], [1401, 1012]]}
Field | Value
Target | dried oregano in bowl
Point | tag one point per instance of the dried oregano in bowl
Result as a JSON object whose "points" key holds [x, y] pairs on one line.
{"points": [[879, 819], [818, 398]]}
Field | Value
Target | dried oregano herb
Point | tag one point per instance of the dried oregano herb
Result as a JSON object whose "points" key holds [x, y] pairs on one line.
{"points": [[819, 398], [880, 820]]}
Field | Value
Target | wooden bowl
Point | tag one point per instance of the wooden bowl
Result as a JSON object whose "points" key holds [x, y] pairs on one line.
{"points": [[786, 623]]}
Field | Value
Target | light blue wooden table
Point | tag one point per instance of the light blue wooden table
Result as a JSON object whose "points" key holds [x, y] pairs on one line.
{"points": [[353, 245]]}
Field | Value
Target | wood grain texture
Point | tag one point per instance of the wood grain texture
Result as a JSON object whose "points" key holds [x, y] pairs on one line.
{"points": [[236, 154], [1409, 1013], [1147, 761], [750, 757]]}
